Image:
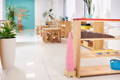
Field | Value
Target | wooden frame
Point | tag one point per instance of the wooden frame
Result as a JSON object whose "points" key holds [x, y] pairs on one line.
{"points": [[94, 70], [96, 44], [51, 35]]}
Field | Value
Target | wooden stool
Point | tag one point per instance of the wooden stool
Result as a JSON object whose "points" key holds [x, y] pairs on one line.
{"points": [[51, 34]]}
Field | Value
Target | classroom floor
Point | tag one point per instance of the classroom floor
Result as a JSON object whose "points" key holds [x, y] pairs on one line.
{"points": [[36, 60]]}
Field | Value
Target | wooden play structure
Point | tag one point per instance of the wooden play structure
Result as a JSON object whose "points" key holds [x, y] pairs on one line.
{"points": [[39, 29], [79, 39], [51, 35], [62, 29]]}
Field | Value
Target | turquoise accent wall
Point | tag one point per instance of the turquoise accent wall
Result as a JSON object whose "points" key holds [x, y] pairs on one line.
{"points": [[28, 21]]}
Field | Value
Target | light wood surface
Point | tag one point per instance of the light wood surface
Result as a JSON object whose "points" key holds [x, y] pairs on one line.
{"points": [[65, 28], [98, 27], [97, 70], [76, 44], [116, 38], [87, 54], [70, 74]]}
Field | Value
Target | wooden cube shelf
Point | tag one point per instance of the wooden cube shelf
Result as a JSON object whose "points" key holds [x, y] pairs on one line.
{"points": [[65, 27], [39, 29], [51, 35]]}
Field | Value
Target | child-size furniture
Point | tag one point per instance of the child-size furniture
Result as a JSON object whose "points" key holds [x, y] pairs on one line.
{"points": [[39, 29], [51, 35], [94, 44], [65, 27], [80, 54]]}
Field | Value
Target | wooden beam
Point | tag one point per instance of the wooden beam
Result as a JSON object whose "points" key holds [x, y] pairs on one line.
{"points": [[76, 44]]}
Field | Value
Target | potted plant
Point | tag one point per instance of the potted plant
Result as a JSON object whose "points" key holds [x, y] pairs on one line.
{"points": [[90, 8], [7, 44], [8, 40]]}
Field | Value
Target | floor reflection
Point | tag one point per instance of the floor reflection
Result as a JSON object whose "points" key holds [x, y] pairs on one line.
{"points": [[13, 74]]}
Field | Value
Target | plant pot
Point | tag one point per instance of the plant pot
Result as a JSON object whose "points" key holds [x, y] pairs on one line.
{"points": [[7, 50]]}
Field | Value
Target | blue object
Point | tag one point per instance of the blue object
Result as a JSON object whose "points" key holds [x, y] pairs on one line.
{"points": [[115, 64]]}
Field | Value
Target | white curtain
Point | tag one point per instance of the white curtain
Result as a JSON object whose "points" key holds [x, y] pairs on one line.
{"points": [[102, 8], [70, 8]]}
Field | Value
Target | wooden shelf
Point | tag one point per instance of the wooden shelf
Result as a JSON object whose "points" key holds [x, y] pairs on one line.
{"points": [[117, 38], [87, 19], [96, 70], [79, 53], [87, 53]]}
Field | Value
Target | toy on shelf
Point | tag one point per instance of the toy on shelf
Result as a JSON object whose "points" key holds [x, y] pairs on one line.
{"points": [[51, 35], [115, 64], [86, 26], [93, 44], [105, 51]]}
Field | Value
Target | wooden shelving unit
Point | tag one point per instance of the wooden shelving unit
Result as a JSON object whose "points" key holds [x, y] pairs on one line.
{"points": [[96, 44], [90, 70]]}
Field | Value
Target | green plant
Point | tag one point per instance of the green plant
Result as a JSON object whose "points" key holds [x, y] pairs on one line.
{"points": [[7, 30], [11, 15], [90, 6]]}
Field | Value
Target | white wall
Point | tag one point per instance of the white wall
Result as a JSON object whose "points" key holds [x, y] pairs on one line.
{"points": [[115, 9], [45, 5], [58, 7], [102, 8], [70, 8], [79, 9], [41, 6], [1, 9]]}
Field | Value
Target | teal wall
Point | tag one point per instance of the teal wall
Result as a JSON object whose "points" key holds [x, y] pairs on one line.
{"points": [[29, 21]]}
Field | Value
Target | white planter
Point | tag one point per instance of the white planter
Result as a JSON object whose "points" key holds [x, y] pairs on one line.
{"points": [[7, 49]]}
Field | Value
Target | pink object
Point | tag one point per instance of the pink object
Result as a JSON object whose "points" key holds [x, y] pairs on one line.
{"points": [[70, 56]]}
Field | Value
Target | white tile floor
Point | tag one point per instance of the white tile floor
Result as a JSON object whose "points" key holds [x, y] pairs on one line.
{"points": [[36, 60]]}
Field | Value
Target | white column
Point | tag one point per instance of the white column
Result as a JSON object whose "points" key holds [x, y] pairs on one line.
{"points": [[37, 12]]}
